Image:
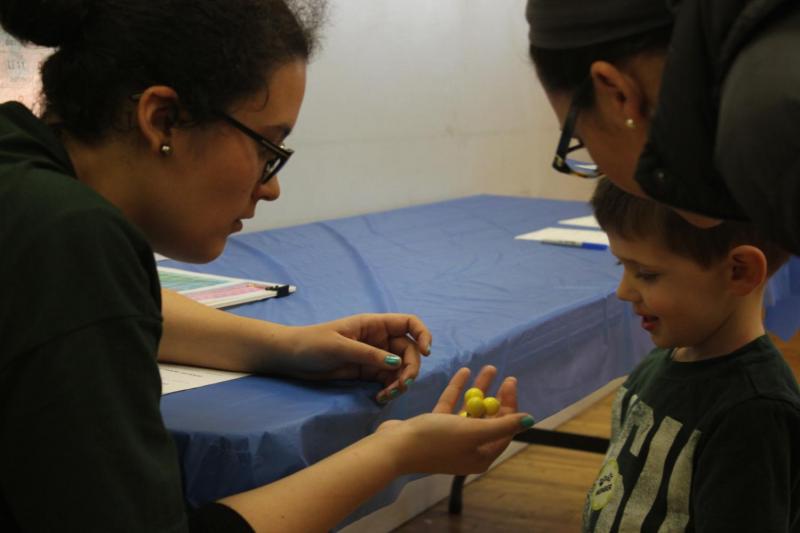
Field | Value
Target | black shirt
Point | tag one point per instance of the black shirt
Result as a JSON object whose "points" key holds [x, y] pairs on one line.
{"points": [[712, 445], [83, 445]]}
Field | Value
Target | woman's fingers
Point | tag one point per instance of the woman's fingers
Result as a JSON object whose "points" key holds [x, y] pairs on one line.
{"points": [[485, 377], [507, 395], [409, 326], [409, 352], [399, 380], [452, 393]]}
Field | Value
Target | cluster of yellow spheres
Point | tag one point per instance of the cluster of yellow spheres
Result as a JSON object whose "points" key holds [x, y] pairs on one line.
{"points": [[476, 406]]}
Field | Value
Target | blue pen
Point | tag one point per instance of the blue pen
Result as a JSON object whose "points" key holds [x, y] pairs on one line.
{"points": [[576, 244]]}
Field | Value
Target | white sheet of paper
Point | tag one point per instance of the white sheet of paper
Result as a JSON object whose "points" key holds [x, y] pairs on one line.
{"points": [[176, 378], [585, 222], [159, 257], [566, 234]]}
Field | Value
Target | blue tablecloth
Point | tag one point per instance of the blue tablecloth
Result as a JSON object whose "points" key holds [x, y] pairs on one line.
{"points": [[546, 314]]}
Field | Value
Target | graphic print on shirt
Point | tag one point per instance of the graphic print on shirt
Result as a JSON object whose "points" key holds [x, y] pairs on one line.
{"points": [[644, 468]]}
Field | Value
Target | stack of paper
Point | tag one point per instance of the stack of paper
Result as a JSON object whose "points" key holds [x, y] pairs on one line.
{"points": [[175, 378], [219, 291], [593, 239]]}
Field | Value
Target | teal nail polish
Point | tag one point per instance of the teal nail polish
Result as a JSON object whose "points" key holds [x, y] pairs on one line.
{"points": [[383, 399], [392, 360], [408, 382], [527, 422], [394, 393]]}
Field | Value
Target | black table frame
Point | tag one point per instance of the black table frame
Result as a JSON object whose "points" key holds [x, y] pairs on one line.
{"points": [[545, 437]]}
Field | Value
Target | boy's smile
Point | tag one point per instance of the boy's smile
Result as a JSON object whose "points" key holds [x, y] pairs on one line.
{"points": [[681, 303], [649, 322]]}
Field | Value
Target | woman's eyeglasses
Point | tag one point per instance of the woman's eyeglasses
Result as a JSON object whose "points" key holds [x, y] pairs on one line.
{"points": [[562, 162], [273, 164], [280, 152]]}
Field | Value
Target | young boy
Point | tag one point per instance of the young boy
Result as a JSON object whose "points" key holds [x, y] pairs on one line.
{"points": [[706, 430]]}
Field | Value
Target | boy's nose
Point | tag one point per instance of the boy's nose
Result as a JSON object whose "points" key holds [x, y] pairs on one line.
{"points": [[625, 292]]}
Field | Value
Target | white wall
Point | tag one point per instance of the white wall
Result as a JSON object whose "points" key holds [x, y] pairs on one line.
{"points": [[414, 101]]}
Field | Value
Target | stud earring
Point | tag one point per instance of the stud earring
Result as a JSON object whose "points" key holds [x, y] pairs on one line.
{"points": [[166, 149], [630, 123]]}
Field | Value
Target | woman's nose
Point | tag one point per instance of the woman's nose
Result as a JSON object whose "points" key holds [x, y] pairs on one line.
{"points": [[270, 190]]}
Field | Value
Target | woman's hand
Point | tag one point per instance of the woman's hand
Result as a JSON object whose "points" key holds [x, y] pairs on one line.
{"points": [[441, 442], [386, 348]]}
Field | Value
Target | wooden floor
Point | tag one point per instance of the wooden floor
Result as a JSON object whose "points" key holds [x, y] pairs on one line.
{"points": [[541, 489]]}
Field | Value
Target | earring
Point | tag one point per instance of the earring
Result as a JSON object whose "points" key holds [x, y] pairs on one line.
{"points": [[630, 123], [166, 149]]}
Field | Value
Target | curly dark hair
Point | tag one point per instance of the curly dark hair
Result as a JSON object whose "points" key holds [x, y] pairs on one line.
{"points": [[213, 53]]}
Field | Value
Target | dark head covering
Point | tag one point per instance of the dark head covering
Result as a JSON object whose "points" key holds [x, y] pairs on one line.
{"points": [[566, 24], [724, 136], [708, 146]]}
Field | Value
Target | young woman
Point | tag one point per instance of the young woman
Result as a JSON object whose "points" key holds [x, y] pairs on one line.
{"points": [[164, 125], [693, 103]]}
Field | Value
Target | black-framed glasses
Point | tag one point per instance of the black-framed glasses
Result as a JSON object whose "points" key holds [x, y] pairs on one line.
{"points": [[562, 162], [273, 164]]}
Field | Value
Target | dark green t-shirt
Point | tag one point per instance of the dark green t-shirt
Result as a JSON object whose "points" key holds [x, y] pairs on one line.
{"points": [[82, 443], [712, 445]]}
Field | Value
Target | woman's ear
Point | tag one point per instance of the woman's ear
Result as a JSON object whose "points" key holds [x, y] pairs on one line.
{"points": [[747, 269], [619, 96], [156, 115]]}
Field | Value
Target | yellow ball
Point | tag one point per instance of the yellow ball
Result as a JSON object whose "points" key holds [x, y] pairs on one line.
{"points": [[492, 405], [463, 413], [474, 392], [475, 407]]}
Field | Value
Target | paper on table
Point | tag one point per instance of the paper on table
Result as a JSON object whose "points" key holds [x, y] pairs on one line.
{"points": [[585, 222], [219, 291], [566, 235], [176, 378]]}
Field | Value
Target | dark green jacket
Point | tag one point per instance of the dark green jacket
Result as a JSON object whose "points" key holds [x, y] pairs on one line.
{"points": [[82, 443]]}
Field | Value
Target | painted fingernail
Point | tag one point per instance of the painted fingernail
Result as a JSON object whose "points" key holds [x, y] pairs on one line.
{"points": [[382, 399], [394, 393], [392, 360], [527, 422], [408, 382]]}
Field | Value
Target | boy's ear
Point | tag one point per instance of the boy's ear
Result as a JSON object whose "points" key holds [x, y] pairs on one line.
{"points": [[747, 269]]}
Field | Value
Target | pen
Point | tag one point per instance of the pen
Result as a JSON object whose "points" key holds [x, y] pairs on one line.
{"points": [[576, 244], [279, 290]]}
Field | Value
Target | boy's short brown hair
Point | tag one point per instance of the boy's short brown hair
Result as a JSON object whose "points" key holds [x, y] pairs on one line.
{"points": [[631, 217]]}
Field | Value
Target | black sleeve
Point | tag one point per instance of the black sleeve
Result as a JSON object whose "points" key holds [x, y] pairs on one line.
{"points": [[217, 518], [758, 134], [84, 447], [748, 472]]}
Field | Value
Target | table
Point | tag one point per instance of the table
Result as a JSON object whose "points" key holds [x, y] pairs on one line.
{"points": [[546, 314]]}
